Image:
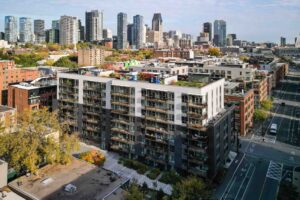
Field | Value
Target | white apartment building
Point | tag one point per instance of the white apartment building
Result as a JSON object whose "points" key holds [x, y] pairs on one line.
{"points": [[211, 94], [90, 56], [68, 30]]}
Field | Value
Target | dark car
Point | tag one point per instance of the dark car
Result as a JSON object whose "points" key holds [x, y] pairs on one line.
{"points": [[282, 103]]}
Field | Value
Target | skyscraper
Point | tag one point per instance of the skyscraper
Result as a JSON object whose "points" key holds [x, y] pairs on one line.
{"points": [[81, 35], [138, 31], [55, 24], [207, 28], [282, 41], [130, 34], [39, 30], [11, 29], [93, 25], [122, 31], [68, 30], [220, 33], [157, 25], [107, 33], [26, 30]]}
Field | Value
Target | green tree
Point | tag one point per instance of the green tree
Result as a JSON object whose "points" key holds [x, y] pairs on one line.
{"points": [[31, 146], [191, 188], [134, 193], [260, 115], [65, 62]]}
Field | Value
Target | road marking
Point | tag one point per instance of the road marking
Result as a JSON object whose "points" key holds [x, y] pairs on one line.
{"points": [[248, 183], [233, 175], [274, 171]]}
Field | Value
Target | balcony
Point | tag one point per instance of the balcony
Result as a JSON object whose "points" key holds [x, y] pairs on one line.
{"points": [[155, 139], [157, 159], [197, 104], [197, 137], [126, 104], [157, 129], [91, 120], [197, 171], [158, 100], [120, 94], [125, 122], [197, 149], [155, 109], [120, 148], [157, 119], [123, 112], [92, 129], [121, 140], [196, 126], [121, 131]]}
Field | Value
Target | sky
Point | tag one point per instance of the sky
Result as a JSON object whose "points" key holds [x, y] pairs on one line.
{"points": [[252, 20]]}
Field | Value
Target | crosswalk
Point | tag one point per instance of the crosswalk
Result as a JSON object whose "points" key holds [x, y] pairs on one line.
{"points": [[266, 138], [274, 170]]}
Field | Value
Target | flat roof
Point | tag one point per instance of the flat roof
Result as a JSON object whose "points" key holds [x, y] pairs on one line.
{"points": [[92, 182], [9, 195]]}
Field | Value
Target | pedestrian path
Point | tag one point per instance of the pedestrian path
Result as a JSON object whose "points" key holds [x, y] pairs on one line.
{"points": [[266, 138]]}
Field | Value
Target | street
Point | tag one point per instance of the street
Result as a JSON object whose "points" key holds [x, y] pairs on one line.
{"points": [[267, 159]]}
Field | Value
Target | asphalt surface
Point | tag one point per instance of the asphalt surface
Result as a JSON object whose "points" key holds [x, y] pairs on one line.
{"points": [[266, 159]]}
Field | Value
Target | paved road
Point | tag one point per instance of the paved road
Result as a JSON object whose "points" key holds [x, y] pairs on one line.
{"points": [[266, 160]]}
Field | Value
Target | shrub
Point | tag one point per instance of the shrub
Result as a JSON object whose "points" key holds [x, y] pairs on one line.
{"points": [[93, 157], [153, 174], [139, 167], [170, 177]]}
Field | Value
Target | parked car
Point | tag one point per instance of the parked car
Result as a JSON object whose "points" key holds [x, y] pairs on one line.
{"points": [[282, 103]]}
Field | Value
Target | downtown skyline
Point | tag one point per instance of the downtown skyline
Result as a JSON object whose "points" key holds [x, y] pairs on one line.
{"points": [[240, 15]]}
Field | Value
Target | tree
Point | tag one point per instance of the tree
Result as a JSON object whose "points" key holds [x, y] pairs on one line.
{"points": [[134, 193], [191, 188], [53, 47], [32, 144], [266, 104], [287, 191], [65, 62], [260, 115], [214, 51]]}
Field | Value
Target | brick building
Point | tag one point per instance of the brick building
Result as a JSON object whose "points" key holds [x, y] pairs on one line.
{"points": [[244, 110], [34, 95], [260, 87], [9, 73]]}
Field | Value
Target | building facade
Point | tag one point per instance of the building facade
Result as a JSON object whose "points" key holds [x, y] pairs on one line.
{"points": [[9, 73], [138, 31], [26, 34], [68, 30], [94, 25], [11, 29], [207, 28], [122, 31], [39, 30], [178, 53], [220, 33], [31, 96], [157, 25], [91, 56], [167, 126], [260, 87], [243, 110]]}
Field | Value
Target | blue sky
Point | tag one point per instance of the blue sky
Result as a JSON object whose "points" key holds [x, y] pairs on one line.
{"points": [[253, 20]]}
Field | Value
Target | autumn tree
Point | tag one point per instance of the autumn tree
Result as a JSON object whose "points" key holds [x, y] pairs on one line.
{"points": [[33, 144], [214, 51]]}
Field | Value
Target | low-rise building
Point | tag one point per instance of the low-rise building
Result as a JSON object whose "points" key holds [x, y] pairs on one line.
{"points": [[8, 119], [33, 95], [167, 126], [91, 56], [287, 51], [179, 53], [9, 73], [243, 102]]}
